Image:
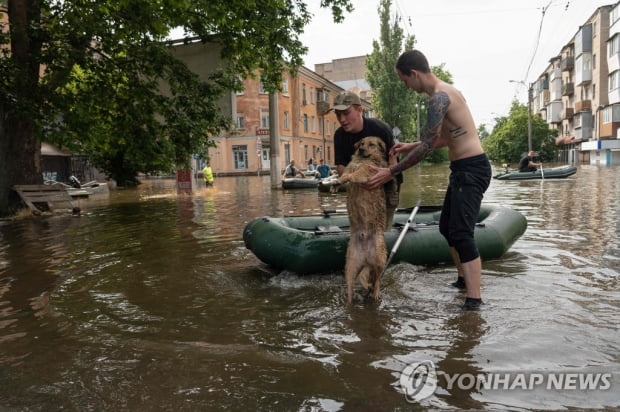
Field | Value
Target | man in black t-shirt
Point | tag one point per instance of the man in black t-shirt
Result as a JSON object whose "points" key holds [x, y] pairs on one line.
{"points": [[527, 164], [354, 127]]}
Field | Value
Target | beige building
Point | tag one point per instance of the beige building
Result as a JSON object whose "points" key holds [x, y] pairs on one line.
{"points": [[579, 92], [306, 125], [348, 73]]}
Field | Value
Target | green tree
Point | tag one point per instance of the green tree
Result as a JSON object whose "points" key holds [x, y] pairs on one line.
{"points": [[392, 102], [508, 139], [483, 133], [395, 104], [90, 76]]}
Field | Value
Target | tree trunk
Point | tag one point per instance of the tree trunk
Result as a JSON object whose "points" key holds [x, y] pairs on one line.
{"points": [[20, 151]]}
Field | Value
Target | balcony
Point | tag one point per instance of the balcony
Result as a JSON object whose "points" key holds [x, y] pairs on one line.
{"points": [[583, 106], [568, 64], [322, 108], [568, 113], [546, 97], [568, 89]]}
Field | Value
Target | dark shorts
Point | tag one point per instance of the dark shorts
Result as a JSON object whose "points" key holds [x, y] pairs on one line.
{"points": [[469, 179]]}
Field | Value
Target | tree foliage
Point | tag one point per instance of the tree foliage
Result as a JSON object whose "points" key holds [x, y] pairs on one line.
{"points": [[88, 75], [395, 104], [507, 141], [392, 102]]}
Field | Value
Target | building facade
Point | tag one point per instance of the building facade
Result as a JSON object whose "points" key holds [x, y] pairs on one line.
{"points": [[306, 125], [348, 73], [579, 92], [305, 121]]}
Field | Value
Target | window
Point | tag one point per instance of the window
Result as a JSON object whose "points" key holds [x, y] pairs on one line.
{"points": [[306, 123], [615, 15], [313, 124], [240, 156], [240, 121], [312, 95], [613, 46], [303, 94], [287, 153], [614, 80], [264, 118], [322, 95], [240, 92], [285, 85], [607, 113], [286, 121], [320, 125], [261, 88]]}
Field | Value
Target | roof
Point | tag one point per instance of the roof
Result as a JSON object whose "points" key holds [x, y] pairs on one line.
{"points": [[350, 84], [48, 149]]}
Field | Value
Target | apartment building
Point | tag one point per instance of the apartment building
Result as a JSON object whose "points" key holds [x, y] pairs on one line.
{"points": [[306, 125], [579, 92], [348, 73]]}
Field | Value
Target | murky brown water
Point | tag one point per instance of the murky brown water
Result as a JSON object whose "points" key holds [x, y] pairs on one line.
{"points": [[150, 301]]}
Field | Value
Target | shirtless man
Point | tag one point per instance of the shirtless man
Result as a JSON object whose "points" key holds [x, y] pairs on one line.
{"points": [[449, 123]]}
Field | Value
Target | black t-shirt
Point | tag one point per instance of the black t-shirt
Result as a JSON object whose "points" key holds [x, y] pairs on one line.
{"points": [[344, 142], [523, 163]]}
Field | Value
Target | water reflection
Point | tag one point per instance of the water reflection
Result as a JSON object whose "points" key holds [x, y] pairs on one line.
{"points": [[150, 300]]}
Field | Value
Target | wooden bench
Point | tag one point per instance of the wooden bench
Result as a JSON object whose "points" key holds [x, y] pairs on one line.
{"points": [[46, 198]]}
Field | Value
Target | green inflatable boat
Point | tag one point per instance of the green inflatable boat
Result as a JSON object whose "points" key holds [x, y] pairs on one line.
{"points": [[318, 244], [559, 172]]}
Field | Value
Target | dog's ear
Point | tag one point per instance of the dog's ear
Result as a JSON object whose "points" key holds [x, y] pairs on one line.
{"points": [[358, 143], [381, 144]]}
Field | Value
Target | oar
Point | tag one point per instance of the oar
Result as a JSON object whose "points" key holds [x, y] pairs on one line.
{"points": [[542, 171], [402, 235]]}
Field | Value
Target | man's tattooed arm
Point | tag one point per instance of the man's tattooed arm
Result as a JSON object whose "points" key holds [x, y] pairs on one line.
{"points": [[437, 108]]}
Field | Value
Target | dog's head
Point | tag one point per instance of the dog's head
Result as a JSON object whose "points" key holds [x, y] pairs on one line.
{"points": [[370, 147]]}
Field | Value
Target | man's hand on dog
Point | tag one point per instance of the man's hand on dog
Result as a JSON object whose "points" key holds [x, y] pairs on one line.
{"points": [[382, 175]]}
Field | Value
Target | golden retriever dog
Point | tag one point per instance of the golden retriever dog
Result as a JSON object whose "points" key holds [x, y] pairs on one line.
{"points": [[366, 251]]}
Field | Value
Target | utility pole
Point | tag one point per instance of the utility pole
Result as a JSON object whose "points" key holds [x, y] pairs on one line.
{"points": [[529, 118], [274, 140]]}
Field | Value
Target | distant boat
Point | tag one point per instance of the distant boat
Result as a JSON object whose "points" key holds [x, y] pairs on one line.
{"points": [[300, 183], [558, 172], [76, 189]]}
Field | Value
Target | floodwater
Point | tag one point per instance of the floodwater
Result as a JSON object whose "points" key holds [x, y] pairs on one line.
{"points": [[150, 301]]}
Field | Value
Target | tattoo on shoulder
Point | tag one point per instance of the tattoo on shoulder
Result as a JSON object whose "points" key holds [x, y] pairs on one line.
{"points": [[437, 108]]}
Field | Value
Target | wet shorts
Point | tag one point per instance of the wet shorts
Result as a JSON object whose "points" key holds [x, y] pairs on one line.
{"points": [[469, 179]]}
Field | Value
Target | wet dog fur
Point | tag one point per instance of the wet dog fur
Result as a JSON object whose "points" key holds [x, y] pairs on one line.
{"points": [[366, 251]]}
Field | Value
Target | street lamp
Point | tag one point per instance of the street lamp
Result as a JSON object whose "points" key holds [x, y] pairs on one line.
{"points": [[529, 112]]}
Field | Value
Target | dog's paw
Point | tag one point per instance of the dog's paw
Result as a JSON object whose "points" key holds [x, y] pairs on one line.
{"points": [[372, 297]]}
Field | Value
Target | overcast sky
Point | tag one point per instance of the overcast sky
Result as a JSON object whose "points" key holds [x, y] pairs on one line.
{"points": [[483, 43]]}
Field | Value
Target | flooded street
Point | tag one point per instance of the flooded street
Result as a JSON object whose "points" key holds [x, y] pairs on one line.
{"points": [[150, 301]]}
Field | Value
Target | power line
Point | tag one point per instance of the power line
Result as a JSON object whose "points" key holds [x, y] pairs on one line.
{"points": [[542, 18]]}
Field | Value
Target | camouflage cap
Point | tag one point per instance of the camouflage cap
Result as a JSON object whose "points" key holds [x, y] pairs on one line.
{"points": [[345, 100]]}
